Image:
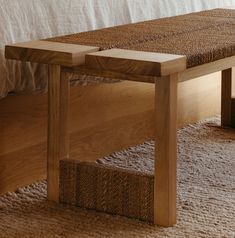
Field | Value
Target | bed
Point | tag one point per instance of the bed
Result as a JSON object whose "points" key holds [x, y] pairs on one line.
{"points": [[23, 87]]}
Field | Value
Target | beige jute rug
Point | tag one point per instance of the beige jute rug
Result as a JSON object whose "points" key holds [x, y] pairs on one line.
{"points": [[206, 195]]}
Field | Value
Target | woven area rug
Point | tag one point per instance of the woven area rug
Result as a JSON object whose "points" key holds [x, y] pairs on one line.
{"points": [[206, 195]]}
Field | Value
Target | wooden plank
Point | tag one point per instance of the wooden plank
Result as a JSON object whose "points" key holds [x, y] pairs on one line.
{"points": [[58, 133], [166, 151], [226, 97], [209, 68], [64, 116], [47, 52], [75, 72], [136, 62], [188, 74]]}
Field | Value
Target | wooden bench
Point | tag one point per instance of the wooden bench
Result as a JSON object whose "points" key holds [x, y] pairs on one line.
{"points": [[143, 61]]}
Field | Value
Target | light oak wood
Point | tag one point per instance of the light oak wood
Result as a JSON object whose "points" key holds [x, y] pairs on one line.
{"points": [[206, 69], [75, 72], [47, 52], [58, 130], [188, 74], [165, 151], [23, 123], [136, 62]]}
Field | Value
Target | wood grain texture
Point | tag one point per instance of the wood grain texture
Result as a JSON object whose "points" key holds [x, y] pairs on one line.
{"points": [[75, 72], [58, 128], [23, 123], [136, 62], [206, 69], [165, 151], [47, 52], [188, 74]]}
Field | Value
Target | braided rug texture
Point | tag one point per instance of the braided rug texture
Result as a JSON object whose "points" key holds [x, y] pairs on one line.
{"points": [[203, 37], [206, 195]]}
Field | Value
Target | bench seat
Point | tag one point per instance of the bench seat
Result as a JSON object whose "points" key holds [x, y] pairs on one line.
{"points": [[202, 37]]}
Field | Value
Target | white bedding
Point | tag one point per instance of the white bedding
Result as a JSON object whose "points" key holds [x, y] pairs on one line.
{"points": [[23, 20]]}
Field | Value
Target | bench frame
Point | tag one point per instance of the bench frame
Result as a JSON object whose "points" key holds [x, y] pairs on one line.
{"points": [[62, 59]]}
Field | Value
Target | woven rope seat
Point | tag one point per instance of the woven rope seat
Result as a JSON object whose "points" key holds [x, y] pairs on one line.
{"points": [[203, 37]]}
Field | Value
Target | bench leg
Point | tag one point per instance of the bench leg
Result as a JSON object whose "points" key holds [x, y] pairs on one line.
{"points": [[227, 102], [58, 132], [166, 151]]}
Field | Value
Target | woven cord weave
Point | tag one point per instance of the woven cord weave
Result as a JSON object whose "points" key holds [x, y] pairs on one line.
{"points": [[203, 37]]}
